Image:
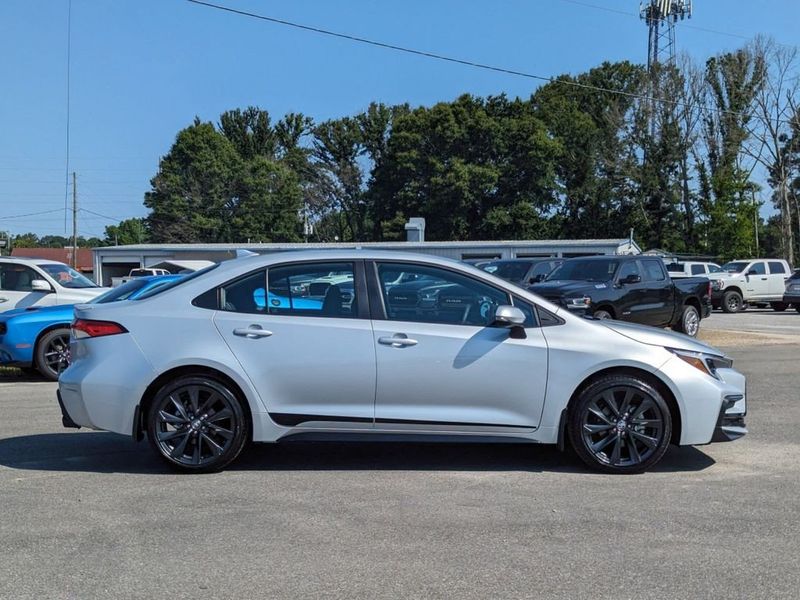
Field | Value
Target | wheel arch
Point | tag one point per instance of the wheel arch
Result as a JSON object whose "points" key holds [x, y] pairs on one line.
{"points": [[651, 378], [733, 288], [139, 425], [606, 307], [47, 330]]}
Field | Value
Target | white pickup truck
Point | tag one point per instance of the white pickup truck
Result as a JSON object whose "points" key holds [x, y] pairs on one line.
{"points": [[758, 281], [141, 272], [28, 282]]}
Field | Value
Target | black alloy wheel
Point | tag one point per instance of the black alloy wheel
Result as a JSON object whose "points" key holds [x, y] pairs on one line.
{"points": [[732, 302], [52, 353], [620, 424], [197, 424]]}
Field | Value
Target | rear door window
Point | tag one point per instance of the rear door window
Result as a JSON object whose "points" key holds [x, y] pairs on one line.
{"points": [[311, 289], [776, 267]]}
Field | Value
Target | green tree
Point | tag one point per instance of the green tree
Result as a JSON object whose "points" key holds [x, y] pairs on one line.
{"points": [[25, 240], [129, 231]]}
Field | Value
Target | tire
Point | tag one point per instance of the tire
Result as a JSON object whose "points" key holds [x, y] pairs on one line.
{"points": [[690, 321], [191, 443], [797, 307], [732, 302], [779, 306], [602, 314], [52, 353], [600, 418]]}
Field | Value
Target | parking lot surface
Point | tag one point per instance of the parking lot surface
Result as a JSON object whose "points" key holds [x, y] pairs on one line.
{"points": [[94, 515], [760, 320]]}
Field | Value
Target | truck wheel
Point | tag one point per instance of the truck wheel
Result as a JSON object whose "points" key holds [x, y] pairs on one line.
{"points": [[690, 321], [779, 306], [732, 302], [602, 314], [797, 307]]}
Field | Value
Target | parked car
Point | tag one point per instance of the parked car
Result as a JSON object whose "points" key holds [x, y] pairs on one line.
{"points": [[693, 269], [36, 282], [791, 296], [522, 271], [200, 370], [628, 288], [138, 272], [756, 281], [37, 337]]}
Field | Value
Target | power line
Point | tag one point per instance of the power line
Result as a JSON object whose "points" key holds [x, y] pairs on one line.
{"points": [[477, 65], [33, 214]]}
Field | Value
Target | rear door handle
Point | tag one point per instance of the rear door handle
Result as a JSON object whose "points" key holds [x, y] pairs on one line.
{"points": [[398, 340], [252, 332]]}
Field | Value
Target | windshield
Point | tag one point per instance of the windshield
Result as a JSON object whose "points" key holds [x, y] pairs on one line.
{"points": [[506, 269], [175, 283], [585, 270], [734, 267], [67, 276]]}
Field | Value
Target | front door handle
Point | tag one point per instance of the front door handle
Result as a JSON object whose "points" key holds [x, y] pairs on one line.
{"points": [[3, 300], [398, 340], [252, 332], [763, 279]]}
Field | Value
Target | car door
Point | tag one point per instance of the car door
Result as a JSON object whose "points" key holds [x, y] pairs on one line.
{"points": [[440, 365], [777, 278], [16, 289], [302, 334], [757, 281], [632, 295], [657, 305]]}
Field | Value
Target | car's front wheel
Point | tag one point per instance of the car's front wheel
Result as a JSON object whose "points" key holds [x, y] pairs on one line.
{"points": [[779, 306], [52, 353], [732, 302], [620, 424], [197, 424]]}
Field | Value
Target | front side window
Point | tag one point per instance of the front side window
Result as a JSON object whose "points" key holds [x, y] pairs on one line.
{"points": [[17, 278], [776, 267], [311, 289], [67, 276], [757, 269], [437, 296], [627, 269], [712, 268]]}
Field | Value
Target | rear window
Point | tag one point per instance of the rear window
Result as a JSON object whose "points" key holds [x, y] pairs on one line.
{"points": [[173, 284]]}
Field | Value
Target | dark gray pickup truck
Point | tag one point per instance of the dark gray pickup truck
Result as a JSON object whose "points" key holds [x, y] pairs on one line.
{"points": [[629, 288]]}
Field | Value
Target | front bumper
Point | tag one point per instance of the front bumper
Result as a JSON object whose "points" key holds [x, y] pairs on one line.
{"points": [[730, 426], [792, 299]]}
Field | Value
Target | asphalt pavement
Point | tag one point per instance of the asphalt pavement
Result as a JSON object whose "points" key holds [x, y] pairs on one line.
{"points": [[94, 515], [756, 320]]}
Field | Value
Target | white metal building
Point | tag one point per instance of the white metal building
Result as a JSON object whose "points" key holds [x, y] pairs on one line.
{"points": [[116, 261]]}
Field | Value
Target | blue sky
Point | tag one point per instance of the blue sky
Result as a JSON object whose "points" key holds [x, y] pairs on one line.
{"points": [[142, 69]]}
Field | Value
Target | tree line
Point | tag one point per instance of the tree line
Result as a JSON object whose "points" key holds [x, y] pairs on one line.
{"points": [[684, 155]]}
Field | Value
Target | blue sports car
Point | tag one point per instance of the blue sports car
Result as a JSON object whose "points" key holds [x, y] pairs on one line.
{"points": [[37, 338]]}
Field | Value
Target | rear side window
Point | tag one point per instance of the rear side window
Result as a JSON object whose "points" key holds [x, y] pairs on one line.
{"points": [[698, 270], [776, 267], [312, 290]]}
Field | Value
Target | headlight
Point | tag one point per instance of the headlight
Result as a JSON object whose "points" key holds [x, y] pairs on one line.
{"points": [[707, 363], [578, 303], [717, 284]]}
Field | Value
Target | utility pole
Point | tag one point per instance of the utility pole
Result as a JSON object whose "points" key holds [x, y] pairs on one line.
{"points": [[74, 221]]}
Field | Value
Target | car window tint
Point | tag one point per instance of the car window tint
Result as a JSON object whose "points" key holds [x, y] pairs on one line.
{"points": [[543, 268], [311, 289], [675, 267], [653, 270], [241, 295], [527, 309], [437, 296], [757, 269], [698, 270], [17, 278], [776, 267], [715, 269], [627, 269]]}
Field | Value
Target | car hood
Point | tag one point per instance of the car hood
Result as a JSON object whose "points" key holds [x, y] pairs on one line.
{"points": [[566, 287], [39, 310], [653, 336]]}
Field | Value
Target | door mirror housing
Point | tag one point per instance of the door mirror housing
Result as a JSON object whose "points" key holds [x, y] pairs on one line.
{"points": [[40, 285], [752, 272], [537, 278], [506, 315], [632, 278]]}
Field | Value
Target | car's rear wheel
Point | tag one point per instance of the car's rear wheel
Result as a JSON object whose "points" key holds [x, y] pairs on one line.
{"points": [[197, 424], [690, 321], [620, 424], [732, 302], [779, 306], [52, 353]]}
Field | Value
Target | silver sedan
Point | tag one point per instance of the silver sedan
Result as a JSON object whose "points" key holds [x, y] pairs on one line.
{"points": [[343, 344]]}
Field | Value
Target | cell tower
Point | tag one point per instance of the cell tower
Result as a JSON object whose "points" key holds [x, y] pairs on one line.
{"points": [[661, 16]]}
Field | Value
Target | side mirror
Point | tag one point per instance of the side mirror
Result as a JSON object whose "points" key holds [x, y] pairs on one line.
{"points": [[752, 272], [537, 278], [40, 285], [631, 279], [508, 316]]}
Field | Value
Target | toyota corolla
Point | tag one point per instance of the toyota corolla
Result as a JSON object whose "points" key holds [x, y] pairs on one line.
{"points": [[239, 352]]}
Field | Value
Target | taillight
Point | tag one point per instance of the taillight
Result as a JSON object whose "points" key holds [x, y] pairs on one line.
{"points": [[85, 328]]}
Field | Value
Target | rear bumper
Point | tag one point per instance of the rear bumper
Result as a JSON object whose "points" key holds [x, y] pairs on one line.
{"points": [[66, 420]]}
